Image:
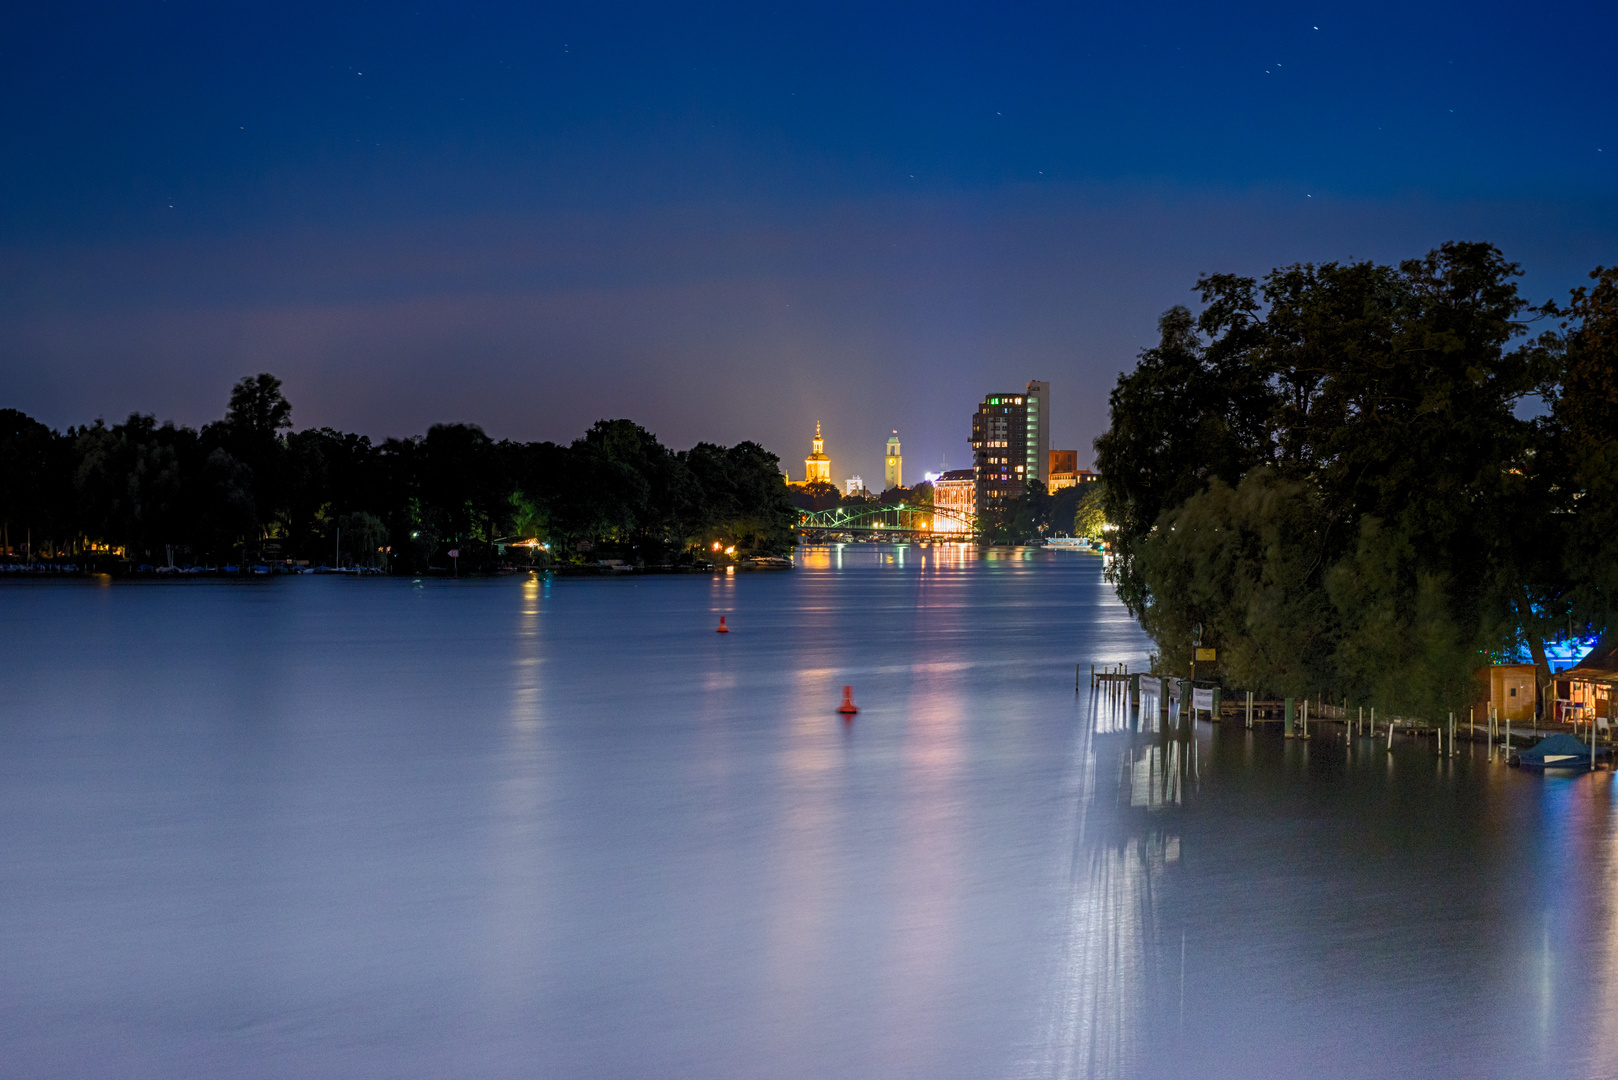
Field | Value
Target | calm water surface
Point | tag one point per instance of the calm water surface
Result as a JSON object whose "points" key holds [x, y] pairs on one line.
{"points": [[518, 828]]}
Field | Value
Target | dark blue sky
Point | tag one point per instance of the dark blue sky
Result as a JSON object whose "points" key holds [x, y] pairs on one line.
{"points": [[727, 222]]}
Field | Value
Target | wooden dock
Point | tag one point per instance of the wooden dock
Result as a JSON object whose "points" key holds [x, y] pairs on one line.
{"points": [[1102, 675]]}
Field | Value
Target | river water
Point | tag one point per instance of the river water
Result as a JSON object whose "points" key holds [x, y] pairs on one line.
{"points": [[526, 828]]}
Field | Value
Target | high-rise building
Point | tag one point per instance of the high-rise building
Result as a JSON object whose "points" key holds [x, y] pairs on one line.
{"points": [[1011, 445], [854, 485], [1038, 402], [1000, 451], [817, 466], [893, 470]]}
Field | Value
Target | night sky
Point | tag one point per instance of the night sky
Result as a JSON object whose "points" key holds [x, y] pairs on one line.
{"points": [[727, 222]]}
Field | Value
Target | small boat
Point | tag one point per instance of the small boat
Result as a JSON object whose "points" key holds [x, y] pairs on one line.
{"points": [[766, 562], [1559, 752], [1068, 543]]}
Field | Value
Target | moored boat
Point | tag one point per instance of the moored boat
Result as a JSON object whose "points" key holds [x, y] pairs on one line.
{"points": [[1561, 751]]}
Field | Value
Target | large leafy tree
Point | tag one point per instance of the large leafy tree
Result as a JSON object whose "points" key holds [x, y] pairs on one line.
{"points": [[248, 452], [1581, 440], [1326, 470], [35, 483], [1192, 410]]}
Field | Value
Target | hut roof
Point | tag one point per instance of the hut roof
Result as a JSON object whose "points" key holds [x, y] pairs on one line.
{"points": [[1600, 663]]}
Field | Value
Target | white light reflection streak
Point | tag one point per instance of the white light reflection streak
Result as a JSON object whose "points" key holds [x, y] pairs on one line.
{"points": [[1604, 925], [805, 888], [927, 882], [1095, 1004], [515, 895]]}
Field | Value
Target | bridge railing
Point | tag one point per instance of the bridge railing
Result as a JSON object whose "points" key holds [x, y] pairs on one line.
{"points": [[902, 517]]}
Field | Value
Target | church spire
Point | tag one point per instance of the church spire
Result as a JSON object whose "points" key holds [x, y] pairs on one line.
{"points": [[817, 466]]}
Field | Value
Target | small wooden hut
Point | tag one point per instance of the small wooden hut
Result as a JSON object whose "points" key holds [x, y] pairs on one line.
{"points": [[1510, 690]]}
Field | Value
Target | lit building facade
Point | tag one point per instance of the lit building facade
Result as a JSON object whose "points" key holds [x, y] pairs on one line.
{"points": [[954, 491], [1011, 445], [817, 466], [893, 465], [1065, 471], [854, 485], [1038, 403], [1000, 452]]}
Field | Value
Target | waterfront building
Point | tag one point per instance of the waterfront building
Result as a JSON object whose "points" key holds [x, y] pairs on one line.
{"points": [[955, 491], [999, 452], [1586, 690], [893, 468], [1065, 471], [1011, 446], [817, 466], [1038, 402], [1511, 693]]}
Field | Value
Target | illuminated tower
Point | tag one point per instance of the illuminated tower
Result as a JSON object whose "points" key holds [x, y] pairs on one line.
{"points": [[817, 466], [893, 472]]}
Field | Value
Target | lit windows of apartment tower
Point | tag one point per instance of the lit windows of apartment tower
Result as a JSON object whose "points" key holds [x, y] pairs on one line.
{"points": [[1000, 451], [817, 466], [1037, 464], [1011, 443], [893, 470]]}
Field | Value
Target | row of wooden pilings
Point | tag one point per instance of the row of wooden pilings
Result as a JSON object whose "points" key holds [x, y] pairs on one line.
{"points": [[1294, 715]]}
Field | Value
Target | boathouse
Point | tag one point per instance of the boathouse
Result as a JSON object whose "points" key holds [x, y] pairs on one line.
{"points": [[1585, 690]]}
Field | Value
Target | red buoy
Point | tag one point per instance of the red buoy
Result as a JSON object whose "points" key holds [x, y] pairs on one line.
{"points": [[847, 708], [723, 629]]}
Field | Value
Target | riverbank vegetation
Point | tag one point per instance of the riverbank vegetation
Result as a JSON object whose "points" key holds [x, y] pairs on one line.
{"points": [[1367, 480], [248, 488]]}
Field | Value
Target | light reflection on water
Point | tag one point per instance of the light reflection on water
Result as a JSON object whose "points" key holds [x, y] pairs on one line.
{"points": [[562, 828]]}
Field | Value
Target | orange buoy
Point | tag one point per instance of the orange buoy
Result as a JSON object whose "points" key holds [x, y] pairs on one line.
{"points": [[723, 629], [847, 708]]}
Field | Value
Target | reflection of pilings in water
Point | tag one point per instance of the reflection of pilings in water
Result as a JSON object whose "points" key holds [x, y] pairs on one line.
{"points": [[1111, 705], [1102, 976], [1156, 777], [1097, 1002]]}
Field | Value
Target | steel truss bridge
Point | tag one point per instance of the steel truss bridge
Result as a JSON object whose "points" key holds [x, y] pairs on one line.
{"points": [[899, 522]]}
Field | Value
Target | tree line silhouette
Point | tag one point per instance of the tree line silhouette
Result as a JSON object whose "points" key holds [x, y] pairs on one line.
{"points": [[248, 489]]}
